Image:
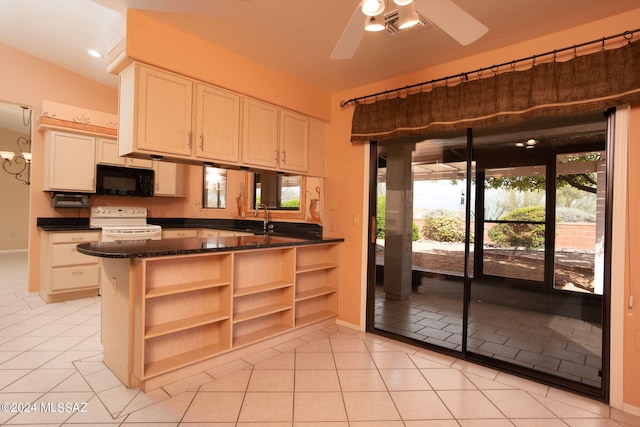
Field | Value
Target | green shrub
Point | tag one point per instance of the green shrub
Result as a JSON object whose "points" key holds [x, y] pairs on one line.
{"points": [[444, 228], [415, 232], [517, 234], [381, 206], [381, 209]]}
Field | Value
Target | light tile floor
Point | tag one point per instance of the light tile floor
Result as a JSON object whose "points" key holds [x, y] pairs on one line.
{"points": [[50, 354]]}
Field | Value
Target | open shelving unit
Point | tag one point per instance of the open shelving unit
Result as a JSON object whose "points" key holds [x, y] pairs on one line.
{"points": [[317, 278], [186, 308], [262, 294], [189, 308]]}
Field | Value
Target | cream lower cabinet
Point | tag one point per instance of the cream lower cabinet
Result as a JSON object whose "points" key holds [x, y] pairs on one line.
{"points": [[191, 308], [177, 233], [66, 273]]}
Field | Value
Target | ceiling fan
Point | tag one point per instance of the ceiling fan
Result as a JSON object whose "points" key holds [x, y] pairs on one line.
{"points": [[461, 26]]}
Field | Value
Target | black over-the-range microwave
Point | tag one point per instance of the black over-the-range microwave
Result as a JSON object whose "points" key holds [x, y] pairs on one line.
{"points": [[121, 181]]}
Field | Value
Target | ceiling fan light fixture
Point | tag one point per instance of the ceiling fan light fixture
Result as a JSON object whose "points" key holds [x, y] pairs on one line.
{"points": [[402, 2], [373, 24], [373, 7], [407, 16]]}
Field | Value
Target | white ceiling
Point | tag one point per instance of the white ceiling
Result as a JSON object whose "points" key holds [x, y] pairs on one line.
{"points": [[295, 37]]}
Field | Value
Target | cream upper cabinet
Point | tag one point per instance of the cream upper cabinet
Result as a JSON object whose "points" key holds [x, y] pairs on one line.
{"points": [[70, 162], [260, 134], [294, 142], [275, 138], [180, 119], [317, 148], [107, 154], [217, 124], [169, 179], [155, 112]]}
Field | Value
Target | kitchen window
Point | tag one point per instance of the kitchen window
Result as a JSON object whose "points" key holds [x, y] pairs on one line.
{"points": [[215, 188]]}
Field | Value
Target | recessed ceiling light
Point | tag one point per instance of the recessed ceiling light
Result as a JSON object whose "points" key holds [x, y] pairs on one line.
{"points": [[94, 53]]}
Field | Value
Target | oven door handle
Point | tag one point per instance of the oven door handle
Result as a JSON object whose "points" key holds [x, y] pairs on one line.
{"points": [[131, 235]]}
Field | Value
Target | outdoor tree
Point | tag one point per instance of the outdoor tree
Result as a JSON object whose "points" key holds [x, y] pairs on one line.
{"points": [[581, 181], [523, 232]]}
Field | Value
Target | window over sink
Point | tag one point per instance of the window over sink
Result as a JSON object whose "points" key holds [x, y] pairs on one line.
{"points": [[284, 195], [214, 188]]}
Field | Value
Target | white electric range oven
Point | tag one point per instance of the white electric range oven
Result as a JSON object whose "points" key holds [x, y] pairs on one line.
{"points": [[121, 223]]}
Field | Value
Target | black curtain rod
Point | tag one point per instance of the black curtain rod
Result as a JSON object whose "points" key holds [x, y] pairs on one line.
{"points": [[628, 35]]}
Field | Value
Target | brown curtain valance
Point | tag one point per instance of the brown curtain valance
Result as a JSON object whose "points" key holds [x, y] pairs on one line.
{"points": [[585, 83]]}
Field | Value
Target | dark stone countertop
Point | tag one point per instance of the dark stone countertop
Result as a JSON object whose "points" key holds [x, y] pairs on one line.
{"points": [[286, 229], [193, 245]]}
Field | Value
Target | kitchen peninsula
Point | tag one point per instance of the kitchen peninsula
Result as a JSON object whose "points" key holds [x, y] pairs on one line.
{"points": [[172, 308]]}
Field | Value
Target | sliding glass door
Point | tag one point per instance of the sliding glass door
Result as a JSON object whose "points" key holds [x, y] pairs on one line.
{"points": [[491, 246]]}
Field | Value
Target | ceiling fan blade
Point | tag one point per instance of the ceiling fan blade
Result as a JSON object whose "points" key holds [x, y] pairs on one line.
{"points": [[455, 21], [351, 37]]}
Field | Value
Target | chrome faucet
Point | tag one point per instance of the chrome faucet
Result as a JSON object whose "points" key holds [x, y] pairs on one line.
{"points": [[266, 216]]}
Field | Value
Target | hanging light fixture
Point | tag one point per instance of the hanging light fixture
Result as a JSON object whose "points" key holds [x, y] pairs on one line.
{"points": [[407, 16], [373, 7], [374, 24], [16, 164]]}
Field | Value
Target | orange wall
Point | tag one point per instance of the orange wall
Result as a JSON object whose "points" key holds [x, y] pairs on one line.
{"points": [[632, 279], [155, 43]]}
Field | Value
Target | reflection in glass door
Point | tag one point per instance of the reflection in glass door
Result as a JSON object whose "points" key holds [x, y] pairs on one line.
{"points": [[514, 223], [533, 300], [420, 242]]}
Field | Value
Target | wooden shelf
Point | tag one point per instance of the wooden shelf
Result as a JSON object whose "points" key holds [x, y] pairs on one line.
{"points": [[185, 287], [314, 293], [261, 334], [153, 369], [260, 312], [315, 267], [315, 317], [186, 323], [251, 290]]}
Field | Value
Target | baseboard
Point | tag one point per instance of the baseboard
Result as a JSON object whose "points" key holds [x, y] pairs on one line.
{"points": [[349, 325]]}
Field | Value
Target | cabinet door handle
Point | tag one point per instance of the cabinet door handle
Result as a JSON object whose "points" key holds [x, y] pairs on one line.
{"points": [[189, 139], [275, 158], [284, 157], [201, 142], [76, 273]]}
